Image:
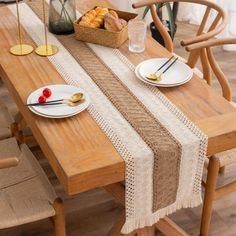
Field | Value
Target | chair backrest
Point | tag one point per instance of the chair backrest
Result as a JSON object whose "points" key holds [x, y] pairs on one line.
{"points": [[205, 31], [209, 63]]}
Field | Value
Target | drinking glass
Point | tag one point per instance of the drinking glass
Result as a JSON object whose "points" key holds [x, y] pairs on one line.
{"points": [[137, 33]]}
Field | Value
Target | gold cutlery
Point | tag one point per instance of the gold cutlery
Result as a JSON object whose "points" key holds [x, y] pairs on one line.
{"points": [[72, 101], [154, 76]]}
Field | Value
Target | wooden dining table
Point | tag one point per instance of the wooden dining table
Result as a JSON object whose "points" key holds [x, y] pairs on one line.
{"points": [[79, 152]]}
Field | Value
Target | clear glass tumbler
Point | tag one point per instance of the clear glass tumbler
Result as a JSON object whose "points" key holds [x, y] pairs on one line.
{"points": [[137, 30]]}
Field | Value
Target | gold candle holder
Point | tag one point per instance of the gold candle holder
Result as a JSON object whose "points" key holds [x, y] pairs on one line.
{"points": [[20, 49], [46, 49]]}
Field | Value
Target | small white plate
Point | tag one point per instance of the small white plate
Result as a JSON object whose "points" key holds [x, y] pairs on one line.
{"points": [[178, 74], [59, 91]]}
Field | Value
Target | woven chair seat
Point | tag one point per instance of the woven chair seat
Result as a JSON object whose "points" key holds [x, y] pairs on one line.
{"points": [[6, 121], [26, 194]]}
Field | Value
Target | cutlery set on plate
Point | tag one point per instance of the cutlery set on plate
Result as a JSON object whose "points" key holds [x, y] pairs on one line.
{"points": [[157, 76], [163, 72], [66, 101]]}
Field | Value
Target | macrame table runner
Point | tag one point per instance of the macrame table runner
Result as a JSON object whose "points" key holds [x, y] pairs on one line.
{"points": [[163, 151]]}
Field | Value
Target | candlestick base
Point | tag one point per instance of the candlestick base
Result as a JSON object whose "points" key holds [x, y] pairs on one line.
{"points": [[21, 49], [46, 50]]}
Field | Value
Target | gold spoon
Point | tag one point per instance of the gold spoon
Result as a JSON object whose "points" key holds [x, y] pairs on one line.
{"points": [[154, 76], [158, 78], [76, 97], [72, 104]]}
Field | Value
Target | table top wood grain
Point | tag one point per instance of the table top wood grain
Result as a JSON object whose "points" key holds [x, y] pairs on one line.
{"points": [[79, 152]]}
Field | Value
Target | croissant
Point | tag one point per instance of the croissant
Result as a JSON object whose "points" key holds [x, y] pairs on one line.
{"points": [[91, 14], [102, 11], [94, 18]]}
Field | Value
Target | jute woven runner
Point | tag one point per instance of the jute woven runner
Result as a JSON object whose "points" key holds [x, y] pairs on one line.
{"points": [[166, 149]]}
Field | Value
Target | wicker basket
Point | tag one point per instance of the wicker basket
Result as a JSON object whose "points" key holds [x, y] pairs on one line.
{"points": [[102, 36]]}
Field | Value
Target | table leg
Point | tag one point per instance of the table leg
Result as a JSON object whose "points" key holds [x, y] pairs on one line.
{"points": [[168, 227], [115, 230], [147, 231]]}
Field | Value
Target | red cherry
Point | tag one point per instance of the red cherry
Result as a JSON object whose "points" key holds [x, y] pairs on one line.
{"points": [[47, 92], [42, 99]]}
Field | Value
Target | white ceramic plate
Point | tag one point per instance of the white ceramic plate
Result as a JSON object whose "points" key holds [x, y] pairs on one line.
{"points": [[60, 91], [178, 74]]}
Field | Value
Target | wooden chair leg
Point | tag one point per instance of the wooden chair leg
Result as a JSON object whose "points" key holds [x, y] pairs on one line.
{"points": [[213, 170], [115, 230], [193, 58], [59, 218]]}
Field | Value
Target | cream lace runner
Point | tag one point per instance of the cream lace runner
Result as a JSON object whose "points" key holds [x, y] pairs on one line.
{"points": [[164, 152]]}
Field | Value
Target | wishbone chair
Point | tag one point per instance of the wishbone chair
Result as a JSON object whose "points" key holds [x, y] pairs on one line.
{"points": [[223, 159]]}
